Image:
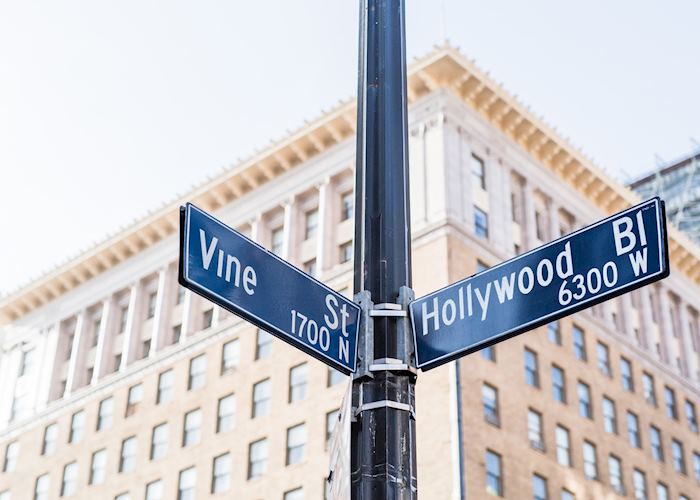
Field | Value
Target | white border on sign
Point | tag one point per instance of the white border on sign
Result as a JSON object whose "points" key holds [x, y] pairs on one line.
{"points": [[662, 258], [186, 257]]}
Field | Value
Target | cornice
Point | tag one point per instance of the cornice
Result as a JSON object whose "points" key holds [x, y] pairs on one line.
{"points": [[444, 68]]}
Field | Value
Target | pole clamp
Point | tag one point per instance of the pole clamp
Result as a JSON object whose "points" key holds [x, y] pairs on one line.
{"points": [[385, 403], [388, 309]]}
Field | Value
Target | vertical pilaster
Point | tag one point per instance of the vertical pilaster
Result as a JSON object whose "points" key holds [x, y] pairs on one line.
{"points": [[554, 231], [647, 320], [668, 344], [46, 370], [499, 221], [256, 228], [417, 182], [11, 361], [687, 342], [105, 340], [289, 241], [325, 216], [530, 236], [132, 325], [160, 313], [187, 316], [465, 158], [76, 362]]}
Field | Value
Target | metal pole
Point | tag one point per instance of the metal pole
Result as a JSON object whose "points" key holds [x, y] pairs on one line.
{"points": [[383, 454]]}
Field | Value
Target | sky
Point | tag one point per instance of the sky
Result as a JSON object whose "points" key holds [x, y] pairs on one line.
{"points": [[110, 109]]}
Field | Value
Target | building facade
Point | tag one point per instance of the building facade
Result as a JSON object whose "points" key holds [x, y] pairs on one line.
{"points": [[116, 383], [678, 183]]}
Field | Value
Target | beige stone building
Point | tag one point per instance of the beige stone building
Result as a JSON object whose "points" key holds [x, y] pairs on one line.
{"points": [[116, 383]]}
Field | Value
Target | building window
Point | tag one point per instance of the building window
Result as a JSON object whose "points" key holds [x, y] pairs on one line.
{"points": [[127, 459], [489, 353], [534, 429], [298, 382], [154, 490], [277, 240], [627, 376], [41, 487], [11, 453], [590, 461], [603, 359], [230, 355], [261, 398], [347, 206], [558, 384], [585, 408], [192, 426], [481, 223], [151, 307], [346, 252], [27, 362], [145, 348], [561, 435], [50, 435], [579, 343], [656, 443], [123, 318], [5, 495], [207, 318], [691, 416], [226, 413], [310, 267], [104, 414], [615, 472], [567, 495], [134, 397], [159, 441], [494, 474], [639, 483], [633, 433], [649, 390], [77, 427], [670, 399], [310, 224], [187, 484], [70, 471], [678, 456], [332, 418], [180, 297], [198, 370], [295, 494], [539, 488], [478, 172], [661, 491], [540, 226], [335, 377], [165, 387], [221, 473], [263, 346], [177, 333], [554, 332], [696, 465], [532, 375], [98, 466], [489, 398], [296, 442], [257, 459], [609, 416]]}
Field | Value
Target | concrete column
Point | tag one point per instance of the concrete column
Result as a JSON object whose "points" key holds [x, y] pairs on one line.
{"points": [[507, 209], [500, 226], [160, 313], [626, 315], [554, 231], [105, 340], [290, 226], [530, 231], [187, 316], [132, 326], [647, 323], [465, 158], [325, 219], [46, 370], [256, 228], [668, 343], [11, 361], [453, 172], [436, 182], [76, 364], [416, 145], [692, 361]]}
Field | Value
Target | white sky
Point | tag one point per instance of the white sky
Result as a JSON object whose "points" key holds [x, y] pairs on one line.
{"points": [[108, 109]]}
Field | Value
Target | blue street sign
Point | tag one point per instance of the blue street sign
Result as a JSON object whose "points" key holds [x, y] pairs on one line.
{"points": [[222, 265], [613, 256]]}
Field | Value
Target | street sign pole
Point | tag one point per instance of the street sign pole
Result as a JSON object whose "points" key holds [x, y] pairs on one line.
{"points": [[383, 432]]}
